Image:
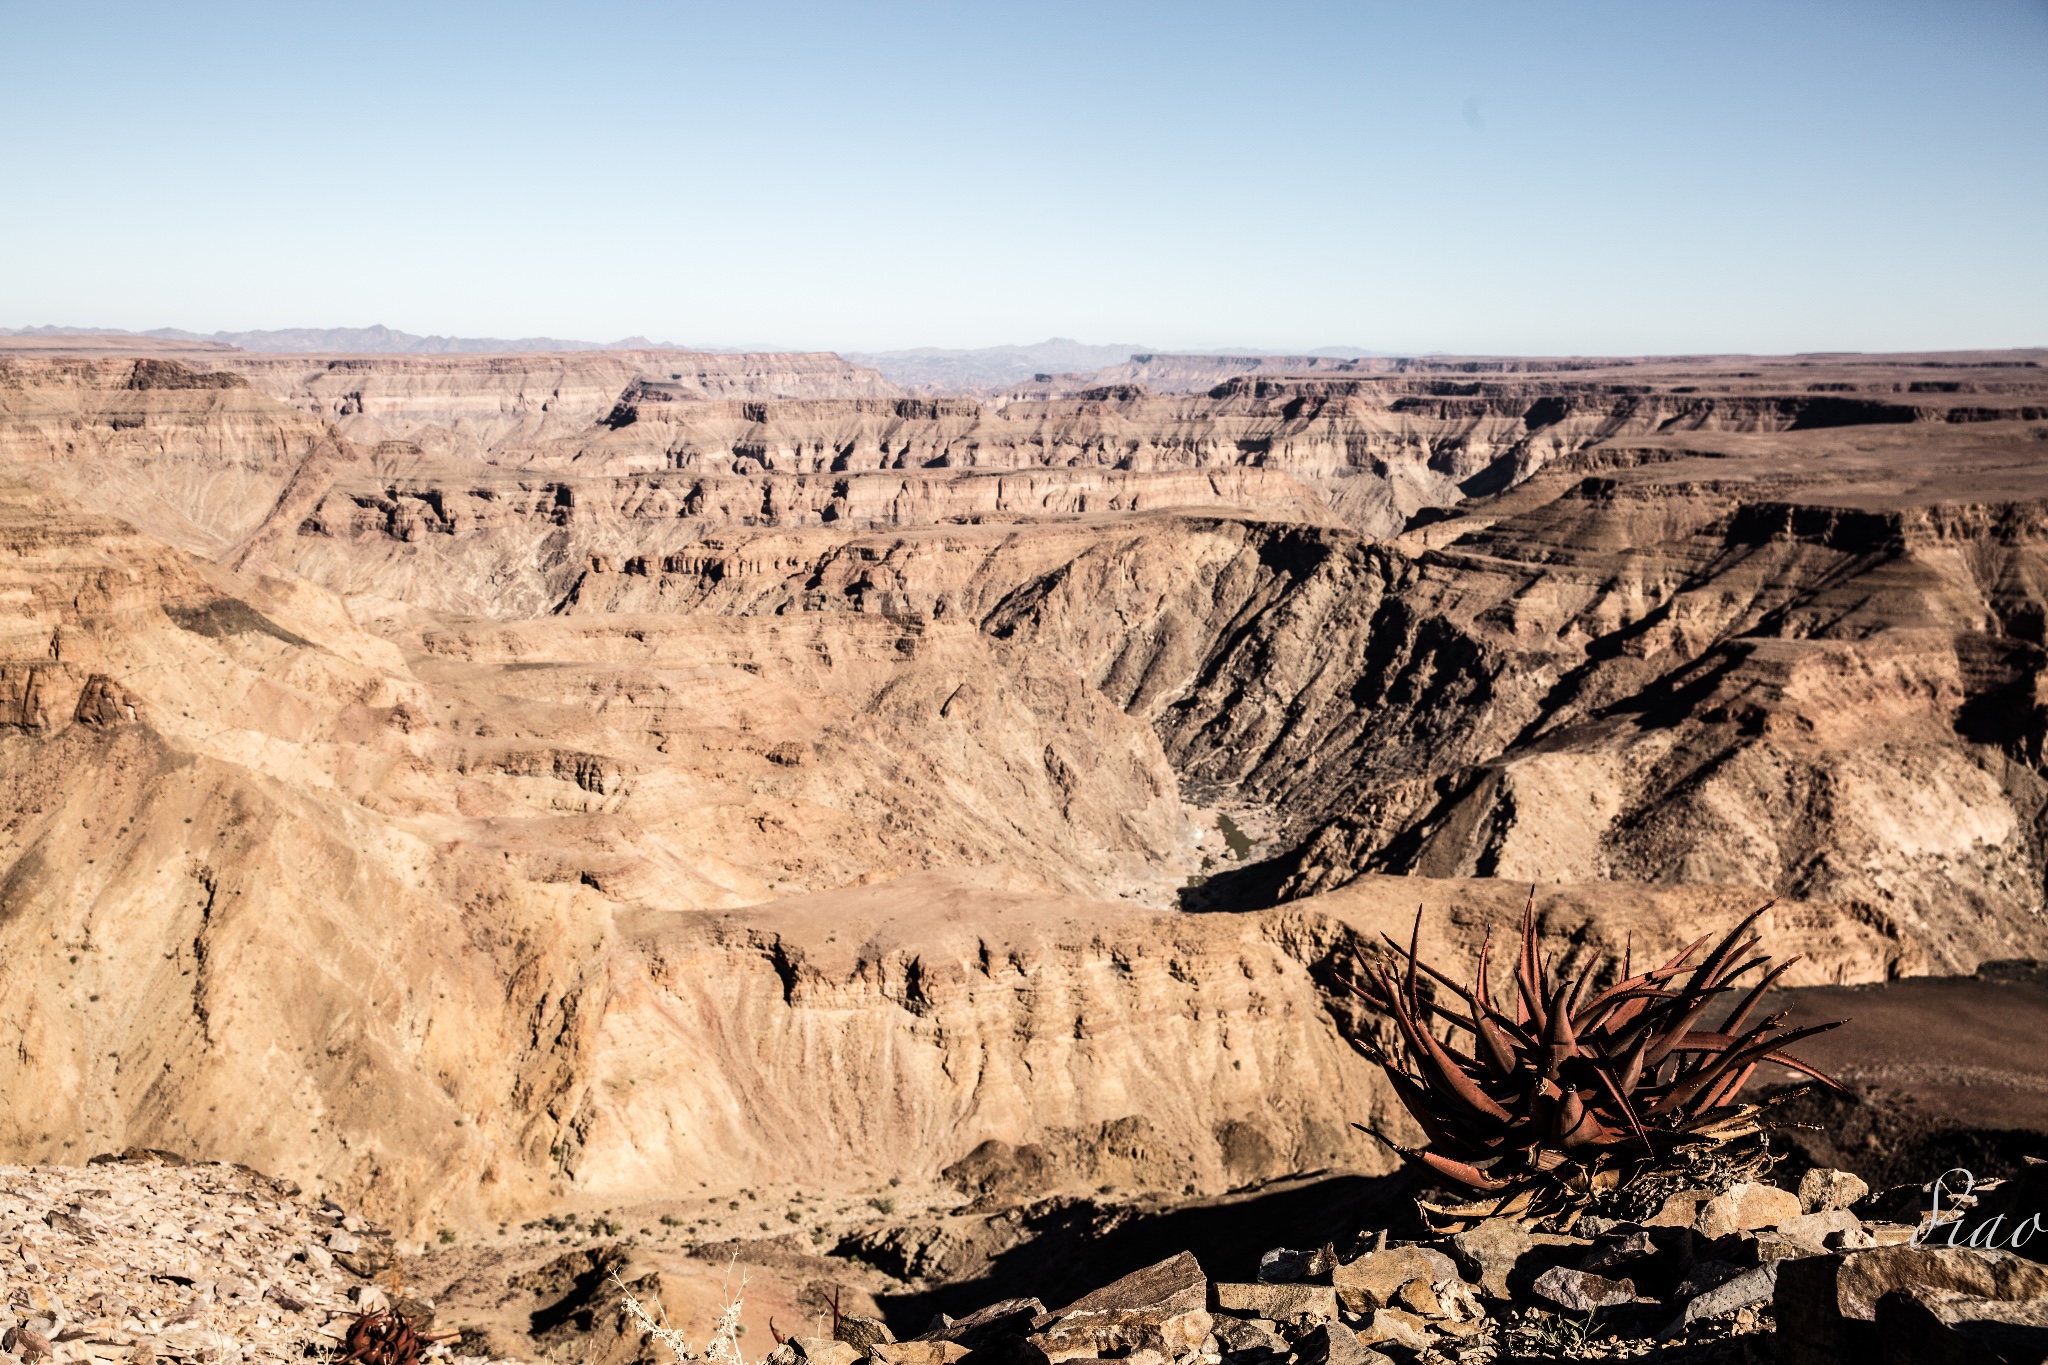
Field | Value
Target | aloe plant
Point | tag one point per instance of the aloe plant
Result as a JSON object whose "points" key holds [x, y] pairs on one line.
{"points": [[1576, 1081]]}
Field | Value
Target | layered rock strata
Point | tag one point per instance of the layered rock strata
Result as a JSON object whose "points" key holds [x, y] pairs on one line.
{"points": [[658, 800]]}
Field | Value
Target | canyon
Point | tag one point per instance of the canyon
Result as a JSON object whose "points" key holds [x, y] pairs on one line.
{"points": [[481, 786]]}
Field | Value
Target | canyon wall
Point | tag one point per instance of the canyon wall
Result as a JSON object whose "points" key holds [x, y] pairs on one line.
{"points": [[742, 787]]}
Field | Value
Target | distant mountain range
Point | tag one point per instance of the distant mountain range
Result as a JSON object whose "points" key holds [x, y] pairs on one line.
{"points": [[994, 367], [925, 367], [378, 340]]}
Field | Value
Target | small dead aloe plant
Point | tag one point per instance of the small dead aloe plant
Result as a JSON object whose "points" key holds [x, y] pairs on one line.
{"points": [[1579, 1089]]}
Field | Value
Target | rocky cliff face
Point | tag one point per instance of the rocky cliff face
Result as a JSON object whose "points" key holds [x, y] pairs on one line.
{"points": [[771, 787], [469, 405]]}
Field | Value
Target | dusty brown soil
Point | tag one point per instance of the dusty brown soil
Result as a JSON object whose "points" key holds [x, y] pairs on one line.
{"points": [[1944, 1072]]}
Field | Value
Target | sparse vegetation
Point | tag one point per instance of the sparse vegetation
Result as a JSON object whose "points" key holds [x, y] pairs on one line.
{"points": [[1553, 1336], [882, 1203], [1578, 1090], [722, 1349]]}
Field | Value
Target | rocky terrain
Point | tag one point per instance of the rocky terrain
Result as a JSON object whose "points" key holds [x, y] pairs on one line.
{"points": [[471, 809], [143, 1258]]}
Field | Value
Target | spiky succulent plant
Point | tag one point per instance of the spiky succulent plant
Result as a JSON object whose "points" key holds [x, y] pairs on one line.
{"points": [[1577, 1081]]}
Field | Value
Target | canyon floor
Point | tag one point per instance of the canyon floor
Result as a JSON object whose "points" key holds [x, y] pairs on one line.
{"points": [[637, 785]]}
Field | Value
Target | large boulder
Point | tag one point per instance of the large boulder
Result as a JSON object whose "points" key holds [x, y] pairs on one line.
{"points": [[1923, 1326], [1827, 1305]]}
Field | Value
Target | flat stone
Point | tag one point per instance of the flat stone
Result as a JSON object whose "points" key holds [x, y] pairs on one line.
{"points": [[1814, 1228], [1760, 1248], [1419, 1298], [1395, 1325], [1281, 1265], [1745, 1208], [916, 1352], [1490, 1252], [1466, 1327], [825, 1350], [1581, 1291], [996, 1321], [1621, 1250], [1163, 1307], [1375, 1279], [1746, 1290], [1679, 1210], [1822, 1190], [1704, 1275], [1279, 1302], [1459, 1302], [1238, 1336]]}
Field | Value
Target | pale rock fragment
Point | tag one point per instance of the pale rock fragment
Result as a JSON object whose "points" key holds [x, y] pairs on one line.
{"points": [[1743, 1208], [1822, 1190]]}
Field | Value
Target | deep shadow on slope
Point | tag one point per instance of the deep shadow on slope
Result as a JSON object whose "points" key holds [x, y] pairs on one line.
{"points": [[1073, 1252]]}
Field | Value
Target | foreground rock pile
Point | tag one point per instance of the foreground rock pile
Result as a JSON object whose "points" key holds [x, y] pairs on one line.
{"points": [[1731, 1274], [136, 1261], [140, 1261]]}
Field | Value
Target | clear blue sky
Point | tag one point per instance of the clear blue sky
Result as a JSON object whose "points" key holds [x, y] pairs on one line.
{"points": [[1516, 177]]}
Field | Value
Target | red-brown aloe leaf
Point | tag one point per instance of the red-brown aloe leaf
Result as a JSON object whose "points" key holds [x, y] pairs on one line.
{"points": [[1571, 1112], [1460, 1084], [1500, 1058], [1727, 947], [1461, 1172], [1631, 1073], [1560, 1044], [1735, 1021], [1730, 1086], [1437, 1125], [1480, 984], [1574, 1002], [1728, 1061], [1442, 1070], [1588, 1132], [1614, 1092], [1690, 1005], [1610, 1014], [1793, 1063], [1529, 973], [1414, 948]]}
